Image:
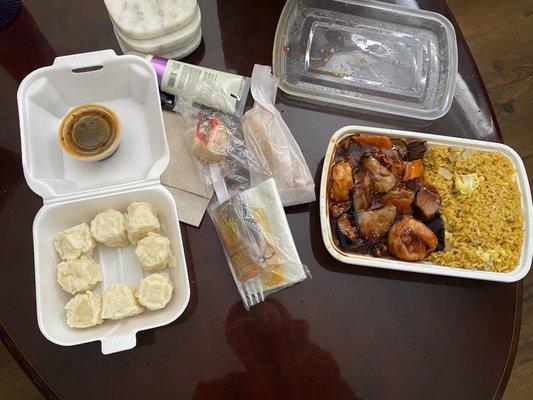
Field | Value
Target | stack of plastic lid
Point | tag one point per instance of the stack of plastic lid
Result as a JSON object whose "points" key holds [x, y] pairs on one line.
{"points": [[166, 28]]}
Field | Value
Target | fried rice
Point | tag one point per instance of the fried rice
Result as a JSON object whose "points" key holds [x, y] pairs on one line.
{"points": [[481, 208]]}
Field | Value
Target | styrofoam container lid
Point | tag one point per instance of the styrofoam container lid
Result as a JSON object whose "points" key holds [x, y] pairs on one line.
{"points": [[147, 19], [426, 267], [166, 43], [120, 82]]}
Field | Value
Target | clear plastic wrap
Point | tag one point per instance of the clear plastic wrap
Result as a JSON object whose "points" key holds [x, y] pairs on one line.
{"points": [[257, 241], [264, 126], [246, 209], [216, 141]]}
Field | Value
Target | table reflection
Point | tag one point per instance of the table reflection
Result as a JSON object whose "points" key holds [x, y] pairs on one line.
{"points": [[280, 360]]}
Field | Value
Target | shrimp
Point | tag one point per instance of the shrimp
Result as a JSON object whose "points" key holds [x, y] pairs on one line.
{"points": [[411, 240], [341, 182]]}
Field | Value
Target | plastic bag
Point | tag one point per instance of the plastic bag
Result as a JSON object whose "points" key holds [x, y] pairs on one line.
{"points": [[257, 241], [264, 126], [216, 141], [246, 209]]}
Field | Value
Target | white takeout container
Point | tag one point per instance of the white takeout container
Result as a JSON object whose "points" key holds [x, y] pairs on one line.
{"points": [[74, 191], [426, 267]]}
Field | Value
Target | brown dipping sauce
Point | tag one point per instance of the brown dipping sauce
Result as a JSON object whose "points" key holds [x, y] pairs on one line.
{"points": [[90, 132]]}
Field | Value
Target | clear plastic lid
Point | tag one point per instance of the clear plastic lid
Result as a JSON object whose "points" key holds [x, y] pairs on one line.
{"points": [[367, 56]]}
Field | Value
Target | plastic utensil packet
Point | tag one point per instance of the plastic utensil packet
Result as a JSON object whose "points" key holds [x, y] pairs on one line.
{"points": [[190, 81], [265, 126], [258, 243]]}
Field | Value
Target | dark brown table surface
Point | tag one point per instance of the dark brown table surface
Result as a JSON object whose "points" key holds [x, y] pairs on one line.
{"points": [[350, 332]]}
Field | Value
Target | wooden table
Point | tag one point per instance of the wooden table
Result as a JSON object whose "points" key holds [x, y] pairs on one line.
{"points": [[350, 332]]}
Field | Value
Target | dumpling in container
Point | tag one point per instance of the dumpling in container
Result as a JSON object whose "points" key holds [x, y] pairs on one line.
{"points": [[209, 140], [155, 291], [84, 310], [74, 242], [154, 252], [119, 302], [78, 275], [109, 228], [141, 219]]}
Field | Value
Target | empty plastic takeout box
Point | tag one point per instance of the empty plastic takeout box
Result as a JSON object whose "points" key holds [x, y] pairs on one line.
{"points": [[367, 55], [75, 191]]}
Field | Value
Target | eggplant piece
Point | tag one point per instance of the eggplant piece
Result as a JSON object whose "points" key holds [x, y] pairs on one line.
{"points": [[346, 228], [413, 184], [401, 146], [389, 157], [363, 191], [354, 154], [337, 209], [383, 179], [427, 202], [348, 150], [417, 149], [436, 224], [374, 224], [380, 249]]}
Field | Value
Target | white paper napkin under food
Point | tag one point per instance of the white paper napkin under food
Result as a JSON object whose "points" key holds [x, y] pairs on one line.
{"points": [[181, 177]]}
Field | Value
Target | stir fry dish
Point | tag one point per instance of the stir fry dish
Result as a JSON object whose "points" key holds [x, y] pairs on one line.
{"points": [[379, 203]]}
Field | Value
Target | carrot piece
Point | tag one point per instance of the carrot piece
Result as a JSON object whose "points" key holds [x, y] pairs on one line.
{"points": [[413, 169], [374, 140]]}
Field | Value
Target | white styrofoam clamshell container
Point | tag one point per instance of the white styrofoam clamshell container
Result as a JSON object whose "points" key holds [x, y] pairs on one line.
{"points": [[426, 267], [75, 191]]}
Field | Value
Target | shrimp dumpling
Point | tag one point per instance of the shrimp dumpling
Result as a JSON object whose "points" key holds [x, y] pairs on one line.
{"points": [[155, 291], [141, 219], [84, 310], [109, 228], [119, 302], [154, 252], [75, 241], [78, 275]]}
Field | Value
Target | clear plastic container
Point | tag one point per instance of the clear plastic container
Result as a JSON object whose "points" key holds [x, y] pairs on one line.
{"points": [[74, 191], [365, 55]]}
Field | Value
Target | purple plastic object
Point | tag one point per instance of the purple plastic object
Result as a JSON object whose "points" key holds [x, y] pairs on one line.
{"points": [[159, 65]]}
